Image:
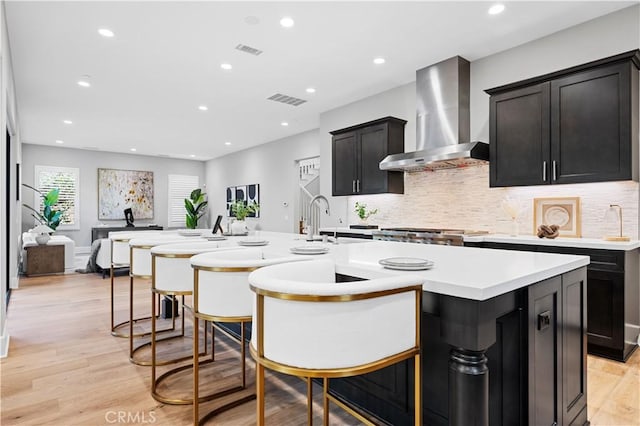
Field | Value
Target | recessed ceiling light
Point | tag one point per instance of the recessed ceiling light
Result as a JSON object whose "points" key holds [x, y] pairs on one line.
{"points": [[133, 150], [379, 61], [284, 123], [104, 32], [252, 20], [287, 22], [311, 90], [496, 8], [59, 141], [226, 66], [203, 108], [192, 156], [227, 143], [84, 83], [67, 121]]}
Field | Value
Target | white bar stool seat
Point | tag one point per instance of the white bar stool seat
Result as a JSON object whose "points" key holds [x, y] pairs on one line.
{"points": [[119, 258], [307, 325], [140, 268], [221, 294], [172, 276]]}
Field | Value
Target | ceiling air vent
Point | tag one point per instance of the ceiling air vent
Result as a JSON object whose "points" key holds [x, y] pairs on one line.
{"points": [[289, 100], [248, 49]]}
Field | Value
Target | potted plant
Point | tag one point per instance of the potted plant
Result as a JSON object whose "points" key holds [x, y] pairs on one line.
{"points": [[241, 209], [195, 206], [49, 216], [363, 213]]}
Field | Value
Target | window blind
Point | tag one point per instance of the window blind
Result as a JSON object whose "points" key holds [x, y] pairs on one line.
{"points": [[67, 180], [180, 187]]}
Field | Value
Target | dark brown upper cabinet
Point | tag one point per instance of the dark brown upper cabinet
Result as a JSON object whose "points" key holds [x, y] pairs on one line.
{"points": [[572, 126], [356, 155]]}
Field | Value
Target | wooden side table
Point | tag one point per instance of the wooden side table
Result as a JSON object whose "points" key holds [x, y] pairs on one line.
{"points": [[45, 259]]}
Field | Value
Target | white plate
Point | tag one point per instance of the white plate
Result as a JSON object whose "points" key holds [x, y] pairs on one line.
{"points": [[411, 263], [214, 237], [190, 232], [408, 268], [309, 250], [253, 243]]}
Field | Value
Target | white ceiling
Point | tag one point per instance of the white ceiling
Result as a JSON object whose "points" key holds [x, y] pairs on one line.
{"points": [[164, 61]]}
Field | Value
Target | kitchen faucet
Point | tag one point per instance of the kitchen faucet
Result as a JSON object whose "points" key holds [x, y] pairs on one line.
{"points": [[313, 221]]}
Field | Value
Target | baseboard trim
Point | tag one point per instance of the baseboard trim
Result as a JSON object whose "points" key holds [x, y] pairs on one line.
{"points": [[82, 250], [4, 342], [15, 283], [632, 334]]}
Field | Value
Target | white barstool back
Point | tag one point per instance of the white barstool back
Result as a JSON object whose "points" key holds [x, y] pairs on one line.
{"points": [[221, 293], [307, 325], [173, 272], [140, 251]]}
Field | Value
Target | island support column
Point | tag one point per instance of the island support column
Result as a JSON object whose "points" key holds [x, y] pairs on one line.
{"points": [[469, 326], [468, 388]]}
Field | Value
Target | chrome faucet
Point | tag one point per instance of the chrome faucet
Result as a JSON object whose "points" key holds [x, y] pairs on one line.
{"points": [[313, 223]]}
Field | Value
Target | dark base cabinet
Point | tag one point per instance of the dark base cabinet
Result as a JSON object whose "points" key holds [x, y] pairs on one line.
{"points": [[612, 286], [529, 345], [99, 232]]}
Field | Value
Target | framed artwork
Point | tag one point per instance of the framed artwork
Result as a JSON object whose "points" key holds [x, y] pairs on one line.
{"points": [[121, 189], [564, 212], [246, 193]]}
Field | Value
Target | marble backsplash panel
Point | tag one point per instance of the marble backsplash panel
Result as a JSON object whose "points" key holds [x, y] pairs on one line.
{"points": [[461, 198]]}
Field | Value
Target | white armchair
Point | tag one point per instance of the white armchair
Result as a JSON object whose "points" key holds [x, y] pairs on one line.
{"points": [[305, 324]]}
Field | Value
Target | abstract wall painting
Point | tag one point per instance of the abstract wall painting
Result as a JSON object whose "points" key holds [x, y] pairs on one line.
{"points": [[246, 193], [121, 189]]}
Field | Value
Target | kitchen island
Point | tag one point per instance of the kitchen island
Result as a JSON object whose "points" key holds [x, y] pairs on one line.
{"points": [[503, 335]]}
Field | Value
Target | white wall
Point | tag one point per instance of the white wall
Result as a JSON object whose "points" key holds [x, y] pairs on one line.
{"points": [[8, 118], [89, 162], [273, 167]]}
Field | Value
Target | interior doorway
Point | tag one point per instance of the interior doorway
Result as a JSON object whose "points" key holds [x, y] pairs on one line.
{"points": [[308, 171], [7, 208]]}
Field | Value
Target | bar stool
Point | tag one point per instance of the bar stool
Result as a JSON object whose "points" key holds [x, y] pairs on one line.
{"points": [[221, 294], [308, 326], [119, 248], [172, 276], [140, 267]]}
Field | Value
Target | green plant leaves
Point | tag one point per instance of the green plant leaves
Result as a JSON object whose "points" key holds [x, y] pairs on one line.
{"points": [[195, 206], [49, 216]]}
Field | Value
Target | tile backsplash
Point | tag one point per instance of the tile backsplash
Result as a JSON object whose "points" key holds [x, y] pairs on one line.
{"points": [[461, 198]]}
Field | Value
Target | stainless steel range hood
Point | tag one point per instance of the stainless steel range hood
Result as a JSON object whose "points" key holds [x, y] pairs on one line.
{"points": [[442, 121]]}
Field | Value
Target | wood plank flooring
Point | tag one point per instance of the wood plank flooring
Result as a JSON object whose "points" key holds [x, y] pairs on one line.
{"points": [[64, 368]]}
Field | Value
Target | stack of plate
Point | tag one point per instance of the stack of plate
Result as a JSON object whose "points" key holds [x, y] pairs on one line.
{"points": [[253, 243], [309, 249], [214, 237], [190, 232], [406, 263]]}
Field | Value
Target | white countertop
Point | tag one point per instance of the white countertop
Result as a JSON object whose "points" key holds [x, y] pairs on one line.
{"points": [[592, 243], [468, 272]]}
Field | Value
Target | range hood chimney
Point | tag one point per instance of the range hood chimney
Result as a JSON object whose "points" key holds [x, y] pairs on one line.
{"points": [[442, 121]]}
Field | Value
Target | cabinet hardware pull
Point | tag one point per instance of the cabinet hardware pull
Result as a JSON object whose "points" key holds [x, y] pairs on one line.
{"points": [[544, 171], [554, 170], [358, 185], [353, 186]]}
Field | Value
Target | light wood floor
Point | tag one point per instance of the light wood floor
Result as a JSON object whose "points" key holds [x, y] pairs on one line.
{"points": [[65, 369]]}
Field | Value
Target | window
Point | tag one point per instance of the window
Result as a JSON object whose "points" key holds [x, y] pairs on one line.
{"points": [[180, 187], [67, 180]]}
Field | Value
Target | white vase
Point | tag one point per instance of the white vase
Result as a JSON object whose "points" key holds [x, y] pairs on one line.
{"points": [[239, 227], [43, 239]]}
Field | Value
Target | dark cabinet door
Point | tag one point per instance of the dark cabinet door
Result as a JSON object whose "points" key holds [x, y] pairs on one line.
{"points": [[519, 141], [373, 149], [345, 149], [574, 347], [605, 324], [591, 128], [545, 356]]}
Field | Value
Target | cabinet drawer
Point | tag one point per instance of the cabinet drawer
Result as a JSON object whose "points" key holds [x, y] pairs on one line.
{"points": [[601, 260]]}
